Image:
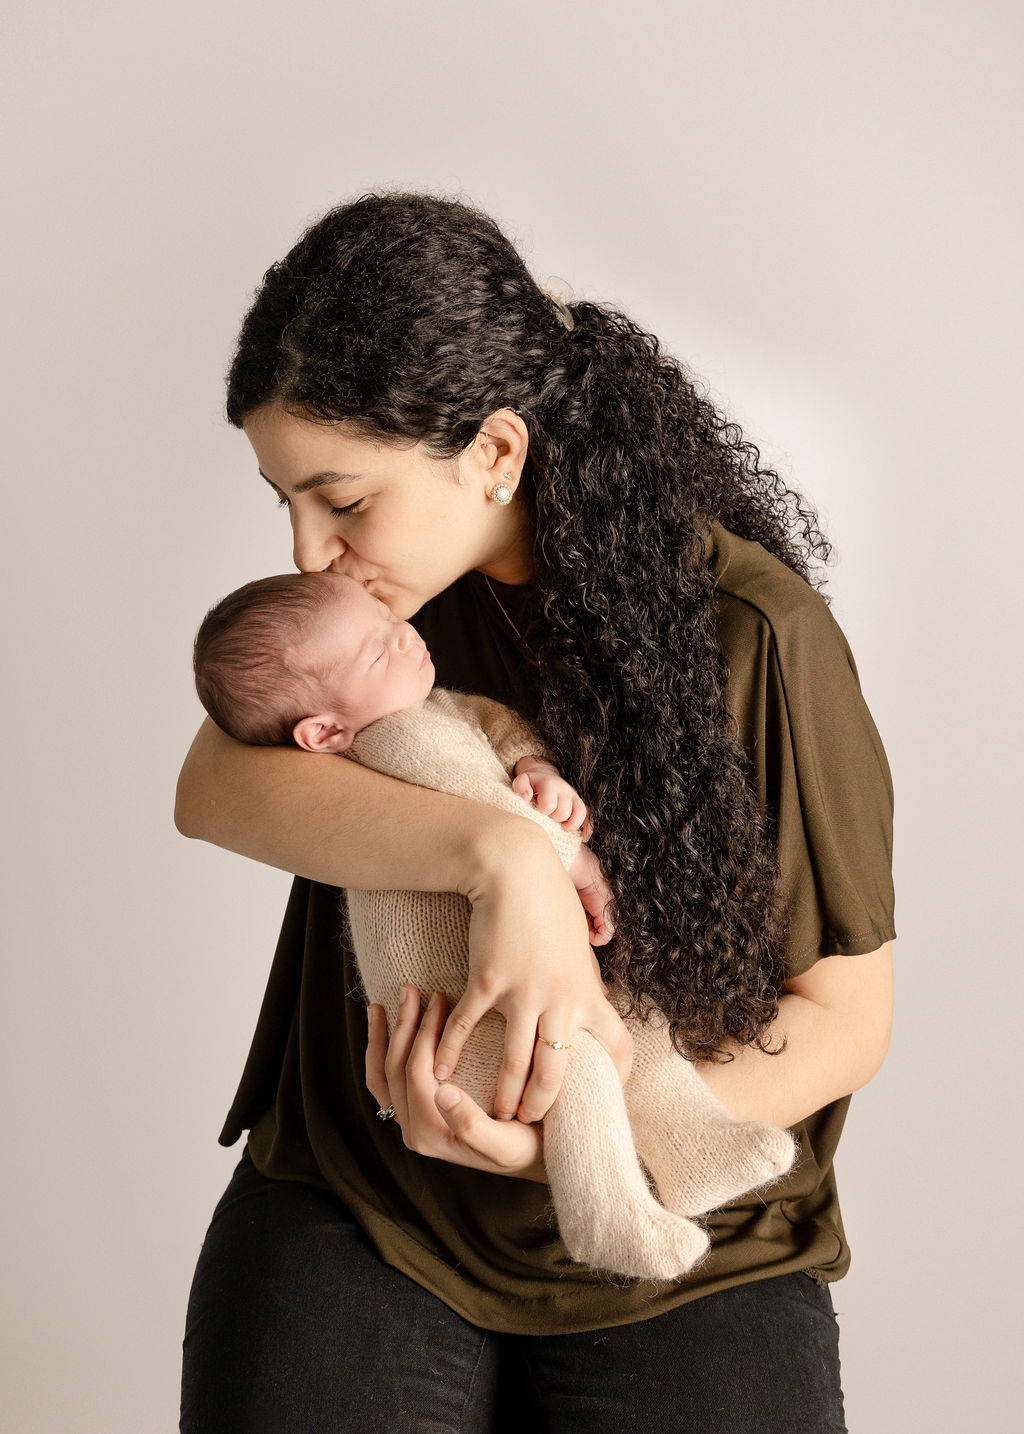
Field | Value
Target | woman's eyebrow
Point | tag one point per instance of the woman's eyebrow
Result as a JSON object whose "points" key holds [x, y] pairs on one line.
{"points": [[318, 480]]}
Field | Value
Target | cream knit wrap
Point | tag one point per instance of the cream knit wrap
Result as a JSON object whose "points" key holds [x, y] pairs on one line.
{"points": [[695, 1153], [422, 936]]}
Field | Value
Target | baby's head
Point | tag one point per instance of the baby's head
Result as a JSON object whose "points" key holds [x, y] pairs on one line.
{"points": [[309, 658]]}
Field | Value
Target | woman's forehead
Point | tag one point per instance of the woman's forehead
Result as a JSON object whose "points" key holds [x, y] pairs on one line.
{"points": [[285, 428]]}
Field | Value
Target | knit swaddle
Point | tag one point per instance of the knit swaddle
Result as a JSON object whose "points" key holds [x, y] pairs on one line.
{"points": [[697, 1155]]}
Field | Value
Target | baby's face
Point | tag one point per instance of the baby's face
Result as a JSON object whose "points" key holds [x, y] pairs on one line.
{"points": [[373, 663]]}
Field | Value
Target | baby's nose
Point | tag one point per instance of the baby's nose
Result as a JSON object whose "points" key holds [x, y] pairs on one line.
{"points": [[406, 637]]}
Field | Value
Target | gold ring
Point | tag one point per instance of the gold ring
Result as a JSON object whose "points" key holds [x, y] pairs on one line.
{"points": [[555, 1045]]}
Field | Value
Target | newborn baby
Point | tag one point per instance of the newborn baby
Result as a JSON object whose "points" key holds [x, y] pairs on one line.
{"points": [[314, 659]]}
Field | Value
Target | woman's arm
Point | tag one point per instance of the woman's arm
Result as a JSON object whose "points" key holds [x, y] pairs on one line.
{"points": [[837, 1017], [329, 819], [332, 820]]}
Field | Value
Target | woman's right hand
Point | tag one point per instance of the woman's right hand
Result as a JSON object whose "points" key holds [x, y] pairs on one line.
{"points": [[530, 959]]}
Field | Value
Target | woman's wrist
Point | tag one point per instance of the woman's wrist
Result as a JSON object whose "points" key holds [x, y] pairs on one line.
{"points": [[502, 850]]}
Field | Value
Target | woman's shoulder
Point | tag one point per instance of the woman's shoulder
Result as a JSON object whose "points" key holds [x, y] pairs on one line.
{"points": [[816, 759], [761, 602]]}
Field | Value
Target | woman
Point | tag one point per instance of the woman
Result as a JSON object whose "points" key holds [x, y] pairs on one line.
{"points": [[576, 532]]}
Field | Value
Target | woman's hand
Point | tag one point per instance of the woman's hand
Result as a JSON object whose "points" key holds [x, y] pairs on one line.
{"points": [[439, 1119], [530, 960]]}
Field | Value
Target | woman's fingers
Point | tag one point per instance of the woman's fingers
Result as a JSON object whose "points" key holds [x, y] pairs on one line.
{"points": [[424, 1129], [530, 960], [520, 1046], [441, 1120], [446, 1122], [549, 1064], [399, 1046], [464, 1017], [420, 1081], [547, 1074], [508, 1147], [376, 1052], [531, 1072]]}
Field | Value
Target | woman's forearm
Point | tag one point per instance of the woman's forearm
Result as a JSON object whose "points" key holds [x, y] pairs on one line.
{"points": [[832, 1050], [330, 819]]}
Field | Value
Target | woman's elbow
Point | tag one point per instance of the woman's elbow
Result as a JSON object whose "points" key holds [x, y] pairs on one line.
{"points": [[857, 991], [874, 1035], [192, 792], [184, 813], [874, 1044], [186, 805]]}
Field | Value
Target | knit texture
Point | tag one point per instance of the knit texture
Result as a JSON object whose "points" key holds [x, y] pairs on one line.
{"points": [[697, 1155]]}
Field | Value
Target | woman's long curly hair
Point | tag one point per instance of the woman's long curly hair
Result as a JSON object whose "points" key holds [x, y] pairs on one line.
{"points": [[414, 317]]}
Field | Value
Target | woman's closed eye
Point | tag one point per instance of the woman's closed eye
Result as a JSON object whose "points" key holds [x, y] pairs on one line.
{"points": [[355, 507]]}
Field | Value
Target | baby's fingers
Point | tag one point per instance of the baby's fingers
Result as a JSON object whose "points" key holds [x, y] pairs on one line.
{"points": [[557, 801], [523, 787], [546, 797], [577, 817], [603, 929]]}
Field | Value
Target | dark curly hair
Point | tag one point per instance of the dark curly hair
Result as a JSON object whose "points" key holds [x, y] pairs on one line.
{"points": [[413, 316]]}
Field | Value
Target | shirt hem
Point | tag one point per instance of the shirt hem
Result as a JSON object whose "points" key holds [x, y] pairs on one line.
{"points": [[521, 1317], [856, 943]]}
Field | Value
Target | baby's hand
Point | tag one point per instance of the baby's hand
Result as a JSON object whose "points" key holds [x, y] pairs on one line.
{"points": [[538, 782], [595, 895]]}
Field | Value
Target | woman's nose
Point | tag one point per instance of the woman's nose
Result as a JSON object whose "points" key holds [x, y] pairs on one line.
{"points": [[315, 545]]}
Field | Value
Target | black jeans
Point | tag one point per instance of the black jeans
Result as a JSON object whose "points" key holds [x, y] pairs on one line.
{"points": [[295, 1326]]}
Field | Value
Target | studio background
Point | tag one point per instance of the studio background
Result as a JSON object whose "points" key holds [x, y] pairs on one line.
{"points": [[817, 206]]}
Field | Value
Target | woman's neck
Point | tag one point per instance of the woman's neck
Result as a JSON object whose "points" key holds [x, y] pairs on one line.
{"points": [[513, 565]]}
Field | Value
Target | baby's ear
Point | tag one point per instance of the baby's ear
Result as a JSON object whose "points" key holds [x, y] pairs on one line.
{"points": [[321, 734]]}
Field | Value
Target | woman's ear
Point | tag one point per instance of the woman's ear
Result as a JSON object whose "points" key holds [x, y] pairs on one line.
{"points": [[504, 439], [322, 734]]}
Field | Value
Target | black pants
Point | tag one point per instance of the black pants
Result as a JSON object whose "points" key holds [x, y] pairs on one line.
{"points": [[295, 1326]]}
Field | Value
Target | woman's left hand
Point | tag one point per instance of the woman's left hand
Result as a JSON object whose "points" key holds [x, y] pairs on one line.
{"points": [[436, 1118]]}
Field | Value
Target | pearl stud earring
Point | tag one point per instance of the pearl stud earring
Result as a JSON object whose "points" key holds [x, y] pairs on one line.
{"points": [[501, 492]]}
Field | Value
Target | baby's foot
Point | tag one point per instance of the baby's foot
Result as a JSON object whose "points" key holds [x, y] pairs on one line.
{"points": [[718, 1163], [648, 1243]]}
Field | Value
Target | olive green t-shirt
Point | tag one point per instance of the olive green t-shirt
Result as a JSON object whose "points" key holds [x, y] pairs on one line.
{"points": [[487, 1244]]}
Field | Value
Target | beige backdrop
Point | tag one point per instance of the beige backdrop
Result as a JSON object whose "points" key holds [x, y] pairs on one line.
{"points": [[818, 206]]}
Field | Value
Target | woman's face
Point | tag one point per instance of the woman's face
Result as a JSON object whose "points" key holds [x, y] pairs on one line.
{"points": [[395, 520]]}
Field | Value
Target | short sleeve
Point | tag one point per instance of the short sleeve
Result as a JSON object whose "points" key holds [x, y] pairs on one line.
{"points": [[819, 768]]}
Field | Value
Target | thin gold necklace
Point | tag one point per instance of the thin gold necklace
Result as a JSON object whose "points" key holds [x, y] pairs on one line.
{"points": [[498, 600]]}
